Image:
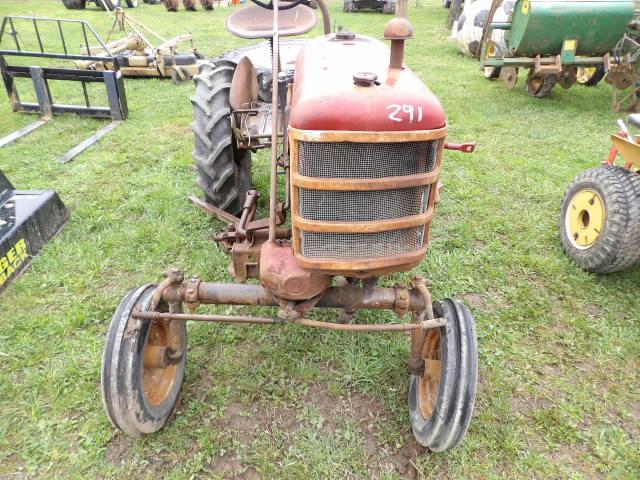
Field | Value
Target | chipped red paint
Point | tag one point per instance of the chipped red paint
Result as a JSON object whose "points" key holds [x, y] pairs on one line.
{"points": [[326, 98]]}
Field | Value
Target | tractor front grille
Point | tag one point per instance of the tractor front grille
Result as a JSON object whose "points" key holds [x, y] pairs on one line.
{"points": [[397, 190]]}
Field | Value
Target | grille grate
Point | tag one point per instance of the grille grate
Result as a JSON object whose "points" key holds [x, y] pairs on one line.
{"points": [[360, 246], [366, 160], [362, 206]]}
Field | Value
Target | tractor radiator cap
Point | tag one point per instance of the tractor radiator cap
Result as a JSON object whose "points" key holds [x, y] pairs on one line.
{"points": [[345, 35], [365, 79]]}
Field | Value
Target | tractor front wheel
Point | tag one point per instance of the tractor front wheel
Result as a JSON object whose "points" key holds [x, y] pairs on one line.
{"points": [[142, 366], [224, 171], [539, 85], [600, 219], [441, 400]]}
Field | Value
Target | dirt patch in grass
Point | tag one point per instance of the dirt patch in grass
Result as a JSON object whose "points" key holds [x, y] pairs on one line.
{"points": [[118, 448]]}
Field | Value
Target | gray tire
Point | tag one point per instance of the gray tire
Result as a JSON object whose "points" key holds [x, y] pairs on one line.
{"points": [[616, 244], [442, 422], [75, 4], [126, 398], [224, 171], [109, 4]]}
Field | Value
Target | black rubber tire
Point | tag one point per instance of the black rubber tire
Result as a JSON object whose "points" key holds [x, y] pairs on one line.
{"points": [[451, 417], [152, 2], [207, 4], [491, 73], [595, 79], [75, 4], [446, 3], [618, 246], [189, 5], [121, 377], [549, 81], [131, 3], [110, 4], [224, 171], [172, 5]]}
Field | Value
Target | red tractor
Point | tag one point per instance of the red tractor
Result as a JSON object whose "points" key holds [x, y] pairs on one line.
{"points": [[357, 144]]}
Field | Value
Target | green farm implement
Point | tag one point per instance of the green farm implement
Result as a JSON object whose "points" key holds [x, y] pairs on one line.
{"points": [[564, 42]]}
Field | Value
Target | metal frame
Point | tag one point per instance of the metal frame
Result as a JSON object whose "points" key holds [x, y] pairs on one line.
{"points": [[117, 110]]}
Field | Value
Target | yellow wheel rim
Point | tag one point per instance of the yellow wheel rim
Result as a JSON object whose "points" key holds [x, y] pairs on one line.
{"points": [[585, 218], [585, 73]]}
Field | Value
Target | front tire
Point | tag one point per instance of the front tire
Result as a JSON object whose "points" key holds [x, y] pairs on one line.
{"points": [[600, 219], [224, 171], [138, 394], [441, 400]]}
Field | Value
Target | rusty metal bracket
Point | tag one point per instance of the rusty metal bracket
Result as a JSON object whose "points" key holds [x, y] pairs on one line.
{"points": [[401, 306], [191, 293], [416, 362]]}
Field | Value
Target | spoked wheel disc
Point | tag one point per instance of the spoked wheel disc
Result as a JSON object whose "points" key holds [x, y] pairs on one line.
{"points": [[142, 367], [441, 400]]}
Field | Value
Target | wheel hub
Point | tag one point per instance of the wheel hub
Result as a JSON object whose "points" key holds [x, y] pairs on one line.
{"points": [[585, 218], [158, 372], [429, 382]]}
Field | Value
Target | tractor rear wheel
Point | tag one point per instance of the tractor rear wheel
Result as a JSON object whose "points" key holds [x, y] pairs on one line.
{"points": [[600, 219], [141, 374], [539, 85], [441, 400], [224, 171], [75, 4]]}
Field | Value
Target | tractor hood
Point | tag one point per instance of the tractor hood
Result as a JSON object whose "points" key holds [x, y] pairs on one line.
{"points": [[326, 96]]}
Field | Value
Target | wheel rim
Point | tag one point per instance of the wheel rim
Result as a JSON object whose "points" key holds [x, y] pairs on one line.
{"points": [[158, 376], [585, 218], [429, 382], [585, 73], [535, 83]]}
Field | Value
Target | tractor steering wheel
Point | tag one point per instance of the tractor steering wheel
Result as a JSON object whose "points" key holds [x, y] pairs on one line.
{"points": [[289, 4]]}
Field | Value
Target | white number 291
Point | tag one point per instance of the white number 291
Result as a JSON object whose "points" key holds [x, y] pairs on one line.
{"points": [[404, 113]]}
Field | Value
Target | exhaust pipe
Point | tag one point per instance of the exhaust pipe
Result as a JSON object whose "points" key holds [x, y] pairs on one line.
{"points": [[398, 30]]}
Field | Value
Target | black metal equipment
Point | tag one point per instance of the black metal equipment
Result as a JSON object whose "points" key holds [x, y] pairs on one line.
{"points": [[40, 76], [28, 220]]}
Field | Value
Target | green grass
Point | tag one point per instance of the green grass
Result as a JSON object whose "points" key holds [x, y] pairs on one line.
{"points": [[558, 394]]}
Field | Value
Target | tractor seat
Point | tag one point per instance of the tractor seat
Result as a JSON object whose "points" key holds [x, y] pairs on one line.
{"points": [[634, 119], [257, 22]]}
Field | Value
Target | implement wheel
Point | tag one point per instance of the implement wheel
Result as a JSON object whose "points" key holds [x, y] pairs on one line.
{"points": [[441, 400], [590, 76], [600, 219], [224, 171], [141, 374], [539, 85]]}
